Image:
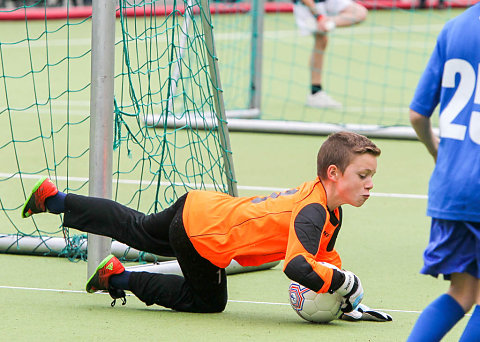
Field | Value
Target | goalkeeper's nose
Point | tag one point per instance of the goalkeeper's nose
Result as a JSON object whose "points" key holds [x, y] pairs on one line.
{"points": [[369, 184]]}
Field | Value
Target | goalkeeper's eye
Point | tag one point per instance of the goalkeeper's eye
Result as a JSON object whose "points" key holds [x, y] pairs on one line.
{"points": [[364, 174]]}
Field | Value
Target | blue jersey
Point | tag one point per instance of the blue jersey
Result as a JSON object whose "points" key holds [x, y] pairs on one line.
{"points": [[452, 78]]}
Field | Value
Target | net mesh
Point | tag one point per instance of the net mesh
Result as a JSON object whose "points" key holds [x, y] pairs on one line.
{"points": [[371, 68], [161, 68]]}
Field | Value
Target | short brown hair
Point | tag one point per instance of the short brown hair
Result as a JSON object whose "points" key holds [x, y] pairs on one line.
{"points": [[339, 150]]}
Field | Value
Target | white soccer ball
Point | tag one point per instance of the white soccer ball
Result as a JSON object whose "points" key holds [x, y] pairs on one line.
{"points": [[312, 306]]}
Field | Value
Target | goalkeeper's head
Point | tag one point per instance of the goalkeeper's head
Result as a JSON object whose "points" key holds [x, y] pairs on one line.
{"points": [[340, 148], [346, 164]]}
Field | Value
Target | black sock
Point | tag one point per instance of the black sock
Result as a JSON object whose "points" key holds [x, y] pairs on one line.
{"points": [[56, 204], [316, 88], [120, 281]]}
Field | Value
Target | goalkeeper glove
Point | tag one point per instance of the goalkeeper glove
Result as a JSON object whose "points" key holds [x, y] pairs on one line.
{"points": [[364, 313], [351, 289]]}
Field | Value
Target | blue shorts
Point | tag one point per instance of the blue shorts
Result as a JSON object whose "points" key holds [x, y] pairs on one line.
{"points": [[454, 247]]}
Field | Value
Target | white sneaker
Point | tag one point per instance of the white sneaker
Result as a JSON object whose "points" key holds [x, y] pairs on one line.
{"points": [[322, 100]]}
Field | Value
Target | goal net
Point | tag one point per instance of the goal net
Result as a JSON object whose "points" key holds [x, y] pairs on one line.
{"points": [[371, 68], [162, 66]]}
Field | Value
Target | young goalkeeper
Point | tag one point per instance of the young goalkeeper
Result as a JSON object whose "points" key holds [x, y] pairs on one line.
{"points": [[452, 78], [206, 230]]}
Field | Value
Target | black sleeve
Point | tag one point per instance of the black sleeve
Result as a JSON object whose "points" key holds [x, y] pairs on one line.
{"points": [[308, 226], [299, 270], [337, 280]]}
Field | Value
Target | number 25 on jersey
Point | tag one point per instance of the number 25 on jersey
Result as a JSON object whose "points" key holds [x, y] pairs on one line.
{"points": [[466, 88]]}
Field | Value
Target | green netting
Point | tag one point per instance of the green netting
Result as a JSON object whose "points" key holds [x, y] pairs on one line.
{"points": [[372, 68], [161, 70]]}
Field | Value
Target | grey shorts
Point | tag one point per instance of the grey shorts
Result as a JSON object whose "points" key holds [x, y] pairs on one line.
{"points": [[307, 23]]}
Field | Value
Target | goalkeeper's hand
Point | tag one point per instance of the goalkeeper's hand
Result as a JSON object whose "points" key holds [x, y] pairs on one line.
{"points": [[351, 290], [364, 313]]}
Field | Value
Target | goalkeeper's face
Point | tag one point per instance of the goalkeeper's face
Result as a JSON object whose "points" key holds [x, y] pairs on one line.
{"points": [[353, 186]]}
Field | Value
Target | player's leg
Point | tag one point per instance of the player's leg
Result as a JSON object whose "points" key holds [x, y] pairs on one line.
{"points": [[452, 252], [442, 314], [472, 330], [463, 288], [307, 23], [207, 282], [203, 288], [148, 233], [318, 97], [317, 57], [436, 320], [347, 14], [151, 288], [341, 13]]}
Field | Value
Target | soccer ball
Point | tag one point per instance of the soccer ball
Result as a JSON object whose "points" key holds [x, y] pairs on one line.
{"points": [[312, 306]]}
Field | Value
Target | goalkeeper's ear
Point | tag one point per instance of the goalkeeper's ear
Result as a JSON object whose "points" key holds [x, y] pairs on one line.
{"points": [[364, 313]]}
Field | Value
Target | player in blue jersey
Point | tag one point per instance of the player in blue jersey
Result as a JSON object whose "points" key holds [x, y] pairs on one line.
{"points": [[452, 79], [318, 17]]}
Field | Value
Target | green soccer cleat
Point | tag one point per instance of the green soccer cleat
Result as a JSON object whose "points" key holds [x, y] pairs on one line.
{"points": [[35, 203], [100, 279]]}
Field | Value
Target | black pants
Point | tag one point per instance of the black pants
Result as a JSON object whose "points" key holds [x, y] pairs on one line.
{"points": [[203, 288]]}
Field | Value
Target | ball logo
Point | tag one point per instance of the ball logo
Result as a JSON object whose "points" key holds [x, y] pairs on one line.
{"points": [[313, 306], [296, 296]]}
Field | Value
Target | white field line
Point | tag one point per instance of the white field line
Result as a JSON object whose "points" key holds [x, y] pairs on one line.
{"points": [[61, 111], [129, 294], [230, 300], [86, 105], [272, 35], [208, 186], [232, 36], [267, 34]]}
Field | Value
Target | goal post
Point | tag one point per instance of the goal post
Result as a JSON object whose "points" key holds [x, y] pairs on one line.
{"points": [[219, 105], [258, 12], [101, 118]]}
